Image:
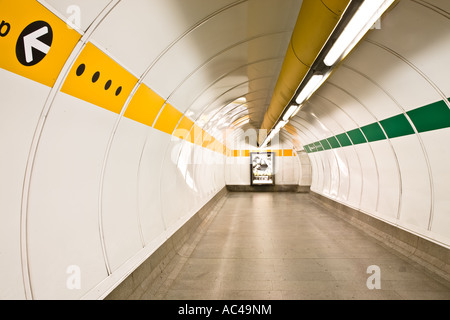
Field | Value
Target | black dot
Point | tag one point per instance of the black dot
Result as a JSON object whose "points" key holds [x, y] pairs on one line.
{"points": [[95, 77], [118, 91], [81, 69], [108, 85]]}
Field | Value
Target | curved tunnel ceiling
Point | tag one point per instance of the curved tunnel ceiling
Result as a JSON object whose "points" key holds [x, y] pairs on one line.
{"points": [[210, 53]]}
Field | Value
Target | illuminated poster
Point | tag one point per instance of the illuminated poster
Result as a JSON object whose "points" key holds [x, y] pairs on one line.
{"points": [[262, 168]]}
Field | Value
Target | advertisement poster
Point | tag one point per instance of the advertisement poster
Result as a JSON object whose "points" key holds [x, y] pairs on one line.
{"points": [[262, 168]]}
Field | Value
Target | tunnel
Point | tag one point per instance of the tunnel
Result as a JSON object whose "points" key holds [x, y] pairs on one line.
{"points": [[131, 128]]}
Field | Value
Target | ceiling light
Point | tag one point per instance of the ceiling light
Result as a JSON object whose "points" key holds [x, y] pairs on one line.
{"points": [[279, 126], [364, 18], [293, 109], [309, 89]]}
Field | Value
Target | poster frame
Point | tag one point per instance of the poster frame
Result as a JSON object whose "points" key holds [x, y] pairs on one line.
{"points": [[252, 182]]}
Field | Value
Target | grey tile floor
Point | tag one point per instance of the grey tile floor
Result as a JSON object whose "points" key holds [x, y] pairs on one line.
{"points": [[284, 246]]}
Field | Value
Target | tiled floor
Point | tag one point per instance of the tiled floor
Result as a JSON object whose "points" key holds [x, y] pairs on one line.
{"points": [[284, 246]]}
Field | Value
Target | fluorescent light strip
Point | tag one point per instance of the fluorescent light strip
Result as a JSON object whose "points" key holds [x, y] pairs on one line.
{"points": [[274, 132], [364, 18], [293, 109], [280, 125], [309, 89]]}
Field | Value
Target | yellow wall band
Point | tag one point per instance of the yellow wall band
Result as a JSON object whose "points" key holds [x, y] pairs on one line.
{"points": [[168, 119], [183, 128], [98, 79], [145, 105], [16, 17], [94, 77]]}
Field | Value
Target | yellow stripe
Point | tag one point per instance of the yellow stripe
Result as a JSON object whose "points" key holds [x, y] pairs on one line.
{"points": [[200, 137], [16, 16], [206, 139], [145, 106], [194, 134], [168, 119], [94, 77], [97, 79], [183, 128]]}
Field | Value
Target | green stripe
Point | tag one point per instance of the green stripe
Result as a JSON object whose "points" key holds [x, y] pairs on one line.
{"points": [[397, 126], [325, 144], [344, 140], [431, 117], [357, 136], [307, 149], [373, 132], [318, 146], [334, 143]]}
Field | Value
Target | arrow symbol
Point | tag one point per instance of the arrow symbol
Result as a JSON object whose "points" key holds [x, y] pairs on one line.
{"points": [[31, 41], [34, 43]]}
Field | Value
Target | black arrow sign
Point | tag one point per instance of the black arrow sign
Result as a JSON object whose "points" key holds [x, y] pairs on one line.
{"points": [[34, 43]]}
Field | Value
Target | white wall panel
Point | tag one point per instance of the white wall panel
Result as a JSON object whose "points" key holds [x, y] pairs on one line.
{"points": [[19, 114], [289, 170], [184, 164], [334, 174], [265, 53], [344, 175], [411, 21], [172, 184], [377, 101], [63, 217], [439, 156], [356, 176], [402, 82], [328, 102], [149, 190], [325, 183], [317, 169], [369, 196], [389, 180], [120, 212], [305, 169], [298, 169], [204, 112], [348, 104], [132, 31], [196, 48], [238, 171], [325, 111], [416, 190]]}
